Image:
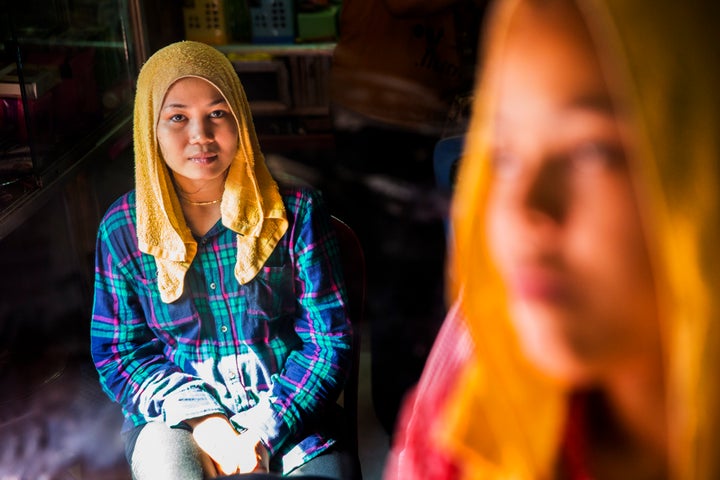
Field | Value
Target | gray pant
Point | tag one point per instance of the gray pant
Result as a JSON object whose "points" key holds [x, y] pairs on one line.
{"points": [[158, 452]]}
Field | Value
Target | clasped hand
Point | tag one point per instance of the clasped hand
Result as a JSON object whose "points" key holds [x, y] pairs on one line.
{"points": [[229, 451]]}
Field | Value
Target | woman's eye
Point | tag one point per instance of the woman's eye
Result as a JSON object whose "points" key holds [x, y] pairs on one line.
{"points": [[177, 118], [218, 114], [597, 154], [504, 163]]}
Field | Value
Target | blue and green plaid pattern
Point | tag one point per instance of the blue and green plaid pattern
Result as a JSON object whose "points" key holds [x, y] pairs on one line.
{"points": [[272, 354]]}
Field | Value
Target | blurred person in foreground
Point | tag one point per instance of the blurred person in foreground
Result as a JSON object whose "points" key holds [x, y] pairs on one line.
{"points": [[584, 332]]}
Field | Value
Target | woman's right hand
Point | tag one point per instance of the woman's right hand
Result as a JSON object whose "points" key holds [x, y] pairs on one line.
{"points": [[230, 451]]}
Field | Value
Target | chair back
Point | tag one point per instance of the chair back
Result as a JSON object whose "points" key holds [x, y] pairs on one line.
{"points": [[353, 264], [446, 155]]}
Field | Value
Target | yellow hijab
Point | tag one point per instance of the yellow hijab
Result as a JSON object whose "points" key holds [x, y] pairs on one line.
{"points": [[504, 420], [251, 204]]}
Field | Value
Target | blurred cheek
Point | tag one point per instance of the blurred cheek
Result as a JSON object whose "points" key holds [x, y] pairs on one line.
{"points": [[499, 231]]}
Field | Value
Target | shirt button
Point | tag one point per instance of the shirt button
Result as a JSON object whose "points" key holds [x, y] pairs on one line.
{"points": [[232, 375], [223, 329], [212, 285]]}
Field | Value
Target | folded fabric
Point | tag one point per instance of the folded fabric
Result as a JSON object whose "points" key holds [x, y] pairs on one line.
{"points": [[251, 203]]}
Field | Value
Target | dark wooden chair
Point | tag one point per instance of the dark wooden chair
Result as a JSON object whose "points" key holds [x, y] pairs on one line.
{"points": [[353, 263]]}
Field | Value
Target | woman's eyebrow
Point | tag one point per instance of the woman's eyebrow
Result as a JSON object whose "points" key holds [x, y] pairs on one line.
{"points": [[595, 102], [174, 105], [218, 101]]}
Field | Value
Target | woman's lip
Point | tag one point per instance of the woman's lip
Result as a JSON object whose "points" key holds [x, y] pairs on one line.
{"points": [[539, 284], [203, 158]]}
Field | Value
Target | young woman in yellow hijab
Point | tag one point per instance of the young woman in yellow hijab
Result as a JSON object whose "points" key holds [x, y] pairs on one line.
{"points": [[220, 322], [584, 331]]}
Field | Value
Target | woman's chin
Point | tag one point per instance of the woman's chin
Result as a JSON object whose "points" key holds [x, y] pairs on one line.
{"points": [[557, 355]]}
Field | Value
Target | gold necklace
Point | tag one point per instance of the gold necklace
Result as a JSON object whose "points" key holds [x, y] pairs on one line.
{"points": [[200, 204]]}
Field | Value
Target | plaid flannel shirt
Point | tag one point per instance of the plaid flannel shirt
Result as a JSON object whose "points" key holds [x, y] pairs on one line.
{"points": [[272, 354]]}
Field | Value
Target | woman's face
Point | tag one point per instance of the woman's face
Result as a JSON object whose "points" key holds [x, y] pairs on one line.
{"points": [[196, 131], [562, 219]]}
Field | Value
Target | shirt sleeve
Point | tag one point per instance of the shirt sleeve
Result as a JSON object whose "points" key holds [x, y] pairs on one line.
{"points": [[314, 374], [128, 356]]}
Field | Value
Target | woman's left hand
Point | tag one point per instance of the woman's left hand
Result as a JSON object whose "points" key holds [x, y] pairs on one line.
{"points": [[253, 456]]}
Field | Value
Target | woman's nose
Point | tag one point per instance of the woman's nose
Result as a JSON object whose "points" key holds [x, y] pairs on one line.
{"points": [[545, 190], [200, 132]]}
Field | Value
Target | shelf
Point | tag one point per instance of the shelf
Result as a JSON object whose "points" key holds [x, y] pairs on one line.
{"points": [[63, 169], [275, 108], [286, 86], [73, 43], [325, 48]]}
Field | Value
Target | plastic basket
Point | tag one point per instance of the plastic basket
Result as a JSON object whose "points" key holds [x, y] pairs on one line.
{"points": [[272, 21]]}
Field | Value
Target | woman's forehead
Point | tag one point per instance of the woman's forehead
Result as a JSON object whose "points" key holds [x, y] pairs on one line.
{"points": [[193, 83], [546, 58]]}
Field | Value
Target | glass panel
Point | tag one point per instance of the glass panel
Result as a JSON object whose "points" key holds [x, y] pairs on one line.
{"points": [[66, 71]]}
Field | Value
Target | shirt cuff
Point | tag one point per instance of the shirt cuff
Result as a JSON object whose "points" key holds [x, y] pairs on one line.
{"points": [[189, 402], [266, 421]]}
